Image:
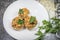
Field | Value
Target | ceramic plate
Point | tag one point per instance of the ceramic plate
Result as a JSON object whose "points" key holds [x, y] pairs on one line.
{"points": [[35, 8]]}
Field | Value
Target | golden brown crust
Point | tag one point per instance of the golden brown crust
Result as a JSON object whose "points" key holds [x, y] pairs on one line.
{"points": [[25, 13], [28, 25], [15, 25]]}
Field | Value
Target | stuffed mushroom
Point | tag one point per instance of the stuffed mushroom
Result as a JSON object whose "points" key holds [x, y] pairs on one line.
{"points": [[18, 23]]}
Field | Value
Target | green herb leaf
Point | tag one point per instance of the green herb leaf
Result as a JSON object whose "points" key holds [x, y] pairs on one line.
{"points": [[39, 38], [39, 33], [20, 21], [53, 30], [32, 19], [21, 11]]}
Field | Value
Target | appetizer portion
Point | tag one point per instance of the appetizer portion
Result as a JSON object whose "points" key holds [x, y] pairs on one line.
{"points": [[23, 12], [30, 22], [18, 23], [24, 20]]}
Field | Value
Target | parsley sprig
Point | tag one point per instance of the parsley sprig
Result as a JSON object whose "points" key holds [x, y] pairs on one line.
{"points": [[51, 26]]}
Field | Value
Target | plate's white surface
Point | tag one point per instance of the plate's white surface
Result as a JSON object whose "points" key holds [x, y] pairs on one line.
{"points": [[35, 8]]}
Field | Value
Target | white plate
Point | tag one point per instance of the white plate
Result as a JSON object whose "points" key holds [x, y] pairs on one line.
{"points": [[35, 8]]}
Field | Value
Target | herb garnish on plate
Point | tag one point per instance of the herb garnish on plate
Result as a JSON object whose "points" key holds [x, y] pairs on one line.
{"points": [[21, 11], [20, 21], [51, 26], [32, 19]]}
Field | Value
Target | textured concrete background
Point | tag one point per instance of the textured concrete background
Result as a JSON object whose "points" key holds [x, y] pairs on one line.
{"points": [[3, 35], [3, 5]]}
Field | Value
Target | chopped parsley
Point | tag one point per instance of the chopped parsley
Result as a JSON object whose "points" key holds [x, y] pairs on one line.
{"points": [[21, 11], [20, 21], [32, 19]]}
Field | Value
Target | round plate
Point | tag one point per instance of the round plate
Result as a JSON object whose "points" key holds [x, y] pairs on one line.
{"points": [[35, 8]]}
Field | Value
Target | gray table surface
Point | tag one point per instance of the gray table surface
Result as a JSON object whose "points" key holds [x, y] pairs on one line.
{"points": [[3, 34]]}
